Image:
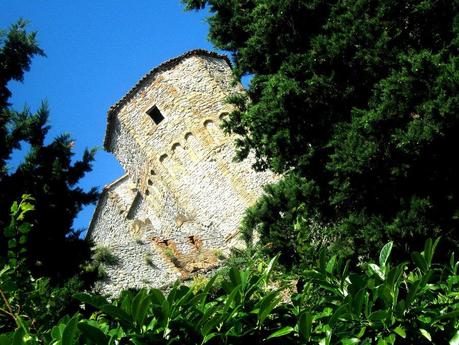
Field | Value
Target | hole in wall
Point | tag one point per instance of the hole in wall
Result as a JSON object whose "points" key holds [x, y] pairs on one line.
{"points": [[155, 114]]}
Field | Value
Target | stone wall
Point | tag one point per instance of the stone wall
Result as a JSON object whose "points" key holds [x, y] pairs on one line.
{"points": [[183, 196]]}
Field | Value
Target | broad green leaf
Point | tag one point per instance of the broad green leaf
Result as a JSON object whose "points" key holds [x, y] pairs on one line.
{"points": [[209, 326], [455, 339], [327, 339], [350, 341], [400, 331], [384, 254], [117, 313], [450, 315], [305, 325], [25, 228], [6, 339], [267, 304], [235, 277], [70, 331], [171, 296], [322, 262], [413, 290], [208, 337], [94, 300], [165, 313], [230, 298], [376, 269], [14, 207], [226, 317], [12, 243], [209, 314], [157, 296], [281, 332], [9, 232], [419, 261], [358, 300], [209, 284], [394, 275], [331, 264], [428, 251], [384, 292], [139, 307], [58, 330], [18, 338], [92, 333], [125, 301], [269, 269], [378, 315], [426, 334], [361, 332], [345, 274], [338, 313], [22, 239]]}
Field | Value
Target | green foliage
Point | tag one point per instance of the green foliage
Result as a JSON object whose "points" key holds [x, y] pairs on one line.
{"points": [[380, 303], [105, 256], [48, 171], [358, 101], [27, 303], [272, 218], [16, 233], [95, 269], [387, 304]]}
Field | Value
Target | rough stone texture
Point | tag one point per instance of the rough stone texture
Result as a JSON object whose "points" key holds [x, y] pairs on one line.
{"points": [[182, 198]]}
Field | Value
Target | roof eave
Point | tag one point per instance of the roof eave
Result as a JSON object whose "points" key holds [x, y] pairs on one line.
{"points": [[162, 67]]}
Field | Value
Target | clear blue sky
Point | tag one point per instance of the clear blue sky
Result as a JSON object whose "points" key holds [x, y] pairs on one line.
{"points": [[96, 51]]}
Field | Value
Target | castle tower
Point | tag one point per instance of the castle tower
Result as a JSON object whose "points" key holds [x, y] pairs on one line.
{"points": [[182, 198]]}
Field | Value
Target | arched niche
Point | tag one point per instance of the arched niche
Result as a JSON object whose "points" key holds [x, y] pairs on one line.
{"points": [[179, 153], [193, 147], [166, 163], [212, 130], [223, 116]]}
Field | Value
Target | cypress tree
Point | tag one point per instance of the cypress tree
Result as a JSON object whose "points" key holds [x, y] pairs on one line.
{"points": [[47, 172], [356, 101]]}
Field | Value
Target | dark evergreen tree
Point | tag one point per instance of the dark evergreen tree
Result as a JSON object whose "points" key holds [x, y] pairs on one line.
{"points": [[47, 171], [359, 101]]}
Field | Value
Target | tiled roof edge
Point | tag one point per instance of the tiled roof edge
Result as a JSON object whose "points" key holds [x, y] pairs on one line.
{"points": [[98, 208], [162, 67]]}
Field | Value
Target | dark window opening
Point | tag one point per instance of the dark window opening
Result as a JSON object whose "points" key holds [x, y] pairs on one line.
{"points": [[155, 115]]}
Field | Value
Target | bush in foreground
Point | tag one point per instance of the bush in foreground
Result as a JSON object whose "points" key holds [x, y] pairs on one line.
{"points": [[408, 303]]}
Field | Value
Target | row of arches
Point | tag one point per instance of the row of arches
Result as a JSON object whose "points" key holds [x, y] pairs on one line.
{"points": [[178, 159], [193, 148]]}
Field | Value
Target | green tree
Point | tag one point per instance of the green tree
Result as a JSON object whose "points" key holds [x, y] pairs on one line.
{"points": [[47, 172], [359, 99]]}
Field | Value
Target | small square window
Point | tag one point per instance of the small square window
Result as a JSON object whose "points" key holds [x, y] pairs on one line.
{"points": [[155, 115]]}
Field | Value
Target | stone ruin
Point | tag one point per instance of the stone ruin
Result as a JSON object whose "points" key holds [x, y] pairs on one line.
{"points": [[179, 205]]}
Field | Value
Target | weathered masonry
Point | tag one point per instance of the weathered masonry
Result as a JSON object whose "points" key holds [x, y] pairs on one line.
{"points": [[181, 200]]}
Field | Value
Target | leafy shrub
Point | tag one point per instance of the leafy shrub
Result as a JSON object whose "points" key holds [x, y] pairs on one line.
{"points": [[104, 255], [358, 100], [271, 220], [403, 304], [27, 303], [408, 303]]}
